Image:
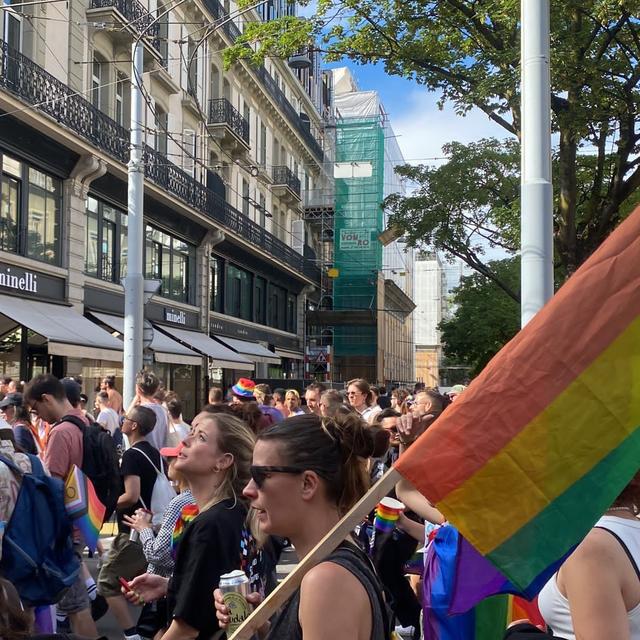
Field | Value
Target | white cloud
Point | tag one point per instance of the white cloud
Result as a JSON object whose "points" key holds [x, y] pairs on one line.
{"points": [[421, 128]]}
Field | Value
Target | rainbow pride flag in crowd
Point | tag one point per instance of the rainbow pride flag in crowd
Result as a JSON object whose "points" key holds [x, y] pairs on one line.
{"points": [[542, 442], [83, 506], [454, 571]]}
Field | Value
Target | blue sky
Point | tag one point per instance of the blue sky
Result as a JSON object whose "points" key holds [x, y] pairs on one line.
{"points": [[421, 127]]}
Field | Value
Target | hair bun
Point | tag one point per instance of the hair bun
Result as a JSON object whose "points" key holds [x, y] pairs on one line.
{"points": [[352, 434]]}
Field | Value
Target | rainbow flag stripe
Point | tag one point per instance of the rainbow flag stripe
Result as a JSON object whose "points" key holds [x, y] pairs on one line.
{"points": [[83, 506], [188, 513], [542, 442]]}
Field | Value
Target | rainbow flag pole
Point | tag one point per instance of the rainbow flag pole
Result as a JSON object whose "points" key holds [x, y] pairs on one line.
{"points": [[83, 506]]}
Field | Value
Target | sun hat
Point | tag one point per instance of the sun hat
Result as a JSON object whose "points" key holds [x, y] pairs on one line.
{"points": [[244, 388]]}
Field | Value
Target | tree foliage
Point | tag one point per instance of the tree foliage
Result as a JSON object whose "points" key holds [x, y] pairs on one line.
{"points": [[485, 318], [465, 207], [469, 52]]}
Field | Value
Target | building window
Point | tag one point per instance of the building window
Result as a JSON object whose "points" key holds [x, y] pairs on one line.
{"points": [[30, 226], [263, 145], [217, 284], [106, 246], [172, 261], [291, 313], [263, 211], [120, 89], [260, 300], [277, 307], [192, 68], [245, 198], [162, 126], [238, 292], [97, 80], [189, 151]]}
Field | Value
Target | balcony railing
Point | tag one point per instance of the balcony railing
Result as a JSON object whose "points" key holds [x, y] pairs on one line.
{"points": [[136, 15], [31, 83], [284, 175], [229, 27], [221, 111]]}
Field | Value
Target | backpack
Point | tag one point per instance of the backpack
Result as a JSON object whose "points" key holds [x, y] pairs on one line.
{"points": [[163, 493], [37, 549], [99, 462]]}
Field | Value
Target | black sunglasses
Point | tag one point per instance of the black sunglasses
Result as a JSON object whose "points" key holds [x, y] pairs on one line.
{"points": [[260, 474]]}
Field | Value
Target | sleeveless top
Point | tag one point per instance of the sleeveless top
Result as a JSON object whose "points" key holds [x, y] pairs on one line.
{"points": [[554, 607], [347, 555]]}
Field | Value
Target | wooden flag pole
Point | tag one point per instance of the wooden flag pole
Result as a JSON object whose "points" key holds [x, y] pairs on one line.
{"points": [[287, 587]]}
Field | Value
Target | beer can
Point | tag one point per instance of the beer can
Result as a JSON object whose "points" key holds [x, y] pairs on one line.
{"points": [[235, 587]]}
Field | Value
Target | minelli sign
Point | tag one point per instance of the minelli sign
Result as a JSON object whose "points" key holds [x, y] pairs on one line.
{"points": [[177, 317], [26, 281]]}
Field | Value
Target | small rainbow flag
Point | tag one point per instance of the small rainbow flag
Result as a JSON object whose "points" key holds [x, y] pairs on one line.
{"points": [[446, 567], [385, 519], [83, 507], [188, 513], [543, 441]]}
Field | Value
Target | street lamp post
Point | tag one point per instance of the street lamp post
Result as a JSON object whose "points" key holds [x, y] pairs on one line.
{"points": [[134, 280], [537, 192]]}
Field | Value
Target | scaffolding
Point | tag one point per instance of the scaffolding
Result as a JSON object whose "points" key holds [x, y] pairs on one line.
{"points": [[357, 224]]}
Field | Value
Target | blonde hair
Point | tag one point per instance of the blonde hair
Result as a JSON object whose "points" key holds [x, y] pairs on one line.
{"points": [[236, 439], [292, 392]]}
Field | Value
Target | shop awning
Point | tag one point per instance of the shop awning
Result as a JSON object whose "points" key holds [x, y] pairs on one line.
{"points": [[251, 350], [68, 333], [219, 354], [292, 355], [164, 348]]}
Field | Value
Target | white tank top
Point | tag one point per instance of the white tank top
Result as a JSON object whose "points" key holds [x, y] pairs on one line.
{"points": [[554, 607]]}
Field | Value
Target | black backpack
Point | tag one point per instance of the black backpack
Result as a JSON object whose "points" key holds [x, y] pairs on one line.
{"points": [[100, 462]]}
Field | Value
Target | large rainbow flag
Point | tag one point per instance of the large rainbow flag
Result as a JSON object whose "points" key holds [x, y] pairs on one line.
{"points": [[542, 442], [83, 506]]}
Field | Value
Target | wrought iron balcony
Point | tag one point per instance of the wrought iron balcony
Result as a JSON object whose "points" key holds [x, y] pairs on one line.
{"points": [[135, 18], [284, 178], [222, 112], [23, 78], [232, 31]]}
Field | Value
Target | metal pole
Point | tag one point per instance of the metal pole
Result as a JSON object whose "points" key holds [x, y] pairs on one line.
{"points": [[134, 281], [537, 192]]}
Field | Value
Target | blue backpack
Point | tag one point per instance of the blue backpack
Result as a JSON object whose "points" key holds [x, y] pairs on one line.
{"points": [[37, 549]]}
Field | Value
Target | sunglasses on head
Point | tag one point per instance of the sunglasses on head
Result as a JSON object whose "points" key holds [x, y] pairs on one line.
{"points": [[260, 474]]}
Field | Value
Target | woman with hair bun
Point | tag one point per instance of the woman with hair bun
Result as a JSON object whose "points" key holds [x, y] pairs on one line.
{"points": [[307, 473]]}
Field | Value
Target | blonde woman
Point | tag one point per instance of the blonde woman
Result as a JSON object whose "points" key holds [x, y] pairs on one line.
{"points": [[215, 460], [292, 403]]}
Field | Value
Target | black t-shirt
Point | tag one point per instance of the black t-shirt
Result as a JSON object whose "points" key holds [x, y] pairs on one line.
{"points": [[210, 547], [135, 464]]}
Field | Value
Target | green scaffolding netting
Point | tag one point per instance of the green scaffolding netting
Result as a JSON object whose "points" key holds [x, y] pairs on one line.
{"points": [[358, 222]]}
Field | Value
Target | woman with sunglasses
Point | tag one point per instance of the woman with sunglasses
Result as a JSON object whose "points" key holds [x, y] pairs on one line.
{"points": [[214, 460], [307, 473]]}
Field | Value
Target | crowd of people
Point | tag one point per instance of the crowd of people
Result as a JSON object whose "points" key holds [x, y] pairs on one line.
{"points": [[256, 471]]}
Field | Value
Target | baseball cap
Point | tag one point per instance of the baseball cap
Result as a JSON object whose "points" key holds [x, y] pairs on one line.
{"points": [[244, 388], [11, 400]]}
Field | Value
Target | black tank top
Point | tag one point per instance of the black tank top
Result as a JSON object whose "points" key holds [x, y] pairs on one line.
{"points": [[347, 555]]}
